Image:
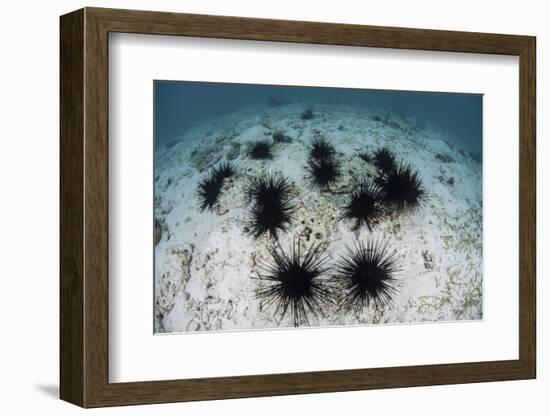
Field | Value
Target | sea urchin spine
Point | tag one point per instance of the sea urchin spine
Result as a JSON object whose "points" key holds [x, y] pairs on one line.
{"points": [[384, 160], [260, 150], [322, 167], [365, 274], [402, 189], [320, 149], [295, 284], [210, 187], [363, 205], [271, 204], [322, 173], [209, 191], [366, 156], [224, 171]]}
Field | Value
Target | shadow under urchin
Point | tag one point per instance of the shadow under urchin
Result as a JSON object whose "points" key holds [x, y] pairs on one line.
{"points": [[260, 150], [402, 189], [384, 159], [271, 205], [210, 186], [295, 284], [364, 205], [365, 275]]}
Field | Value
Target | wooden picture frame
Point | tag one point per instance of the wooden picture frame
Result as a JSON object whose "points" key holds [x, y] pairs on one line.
{"points": [[84, 207]]}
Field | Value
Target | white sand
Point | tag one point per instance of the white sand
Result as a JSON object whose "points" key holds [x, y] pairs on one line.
{"points": [[205, 262]]}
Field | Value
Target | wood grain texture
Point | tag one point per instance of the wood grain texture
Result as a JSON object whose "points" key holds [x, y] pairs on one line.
{"points": [[84, 207], [527, 208], [71, 213], [96, 208], [162, 23]]}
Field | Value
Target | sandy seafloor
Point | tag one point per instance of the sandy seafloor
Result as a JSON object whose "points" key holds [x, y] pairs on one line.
{"points": [[205, 261]]}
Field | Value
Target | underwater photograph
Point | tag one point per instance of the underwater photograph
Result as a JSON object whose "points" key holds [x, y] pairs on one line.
{"points": [[289, 206]]}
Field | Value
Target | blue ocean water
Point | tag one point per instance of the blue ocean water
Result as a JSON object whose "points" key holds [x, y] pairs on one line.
{"points": [[182, 105]]}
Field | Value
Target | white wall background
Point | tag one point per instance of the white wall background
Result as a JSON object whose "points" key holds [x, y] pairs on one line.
{"points": [[29, 85]]}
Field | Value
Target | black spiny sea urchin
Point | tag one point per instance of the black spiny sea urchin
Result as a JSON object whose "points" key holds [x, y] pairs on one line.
{"points": [[209, 191], [402, 189], [384, 160], [320, 149], [322, 167], [365, 274], [260, 150], [210, 186], [366, 156], [271, 204], [363, 205], [224, 171], [322, 173], [296, 284], [307, 114]]}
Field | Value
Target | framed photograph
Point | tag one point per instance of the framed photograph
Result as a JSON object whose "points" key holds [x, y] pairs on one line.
{"points": [[256, 207]]}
